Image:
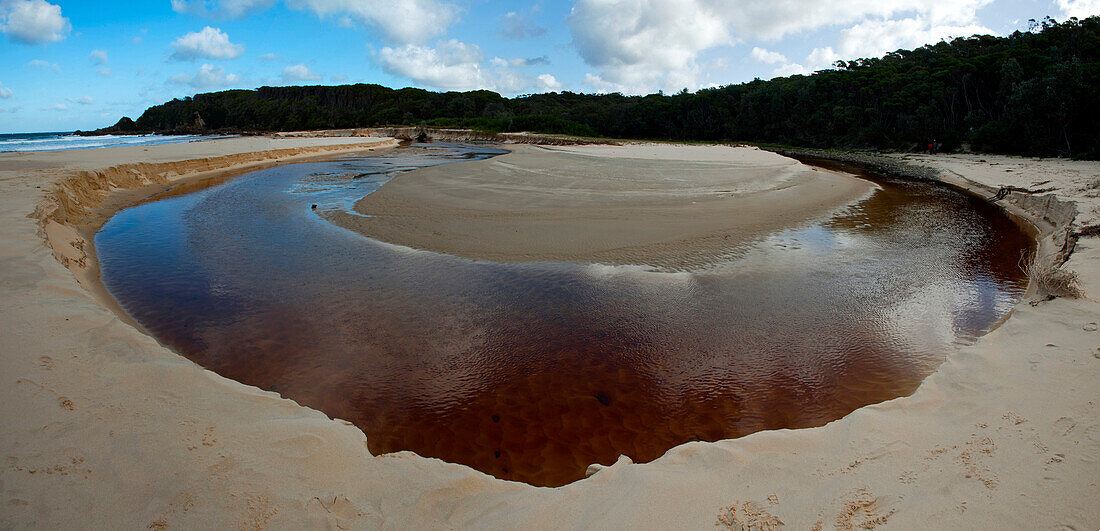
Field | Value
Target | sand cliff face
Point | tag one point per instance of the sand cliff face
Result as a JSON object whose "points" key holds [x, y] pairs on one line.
{"points": [[103, 427]]}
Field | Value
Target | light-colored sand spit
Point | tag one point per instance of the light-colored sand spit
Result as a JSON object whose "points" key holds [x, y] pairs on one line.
{"points": [[673, 207], [102, 427]]}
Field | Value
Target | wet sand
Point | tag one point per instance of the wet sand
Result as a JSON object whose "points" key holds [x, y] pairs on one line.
{"points": [[669, 207], [103, 427]]}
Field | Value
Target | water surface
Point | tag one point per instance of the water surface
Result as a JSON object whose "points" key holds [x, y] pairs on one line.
{"points": [[533, 371], [19, 142]]}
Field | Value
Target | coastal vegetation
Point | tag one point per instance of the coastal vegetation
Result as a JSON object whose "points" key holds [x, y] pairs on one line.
{"points": [[1029, 93]]}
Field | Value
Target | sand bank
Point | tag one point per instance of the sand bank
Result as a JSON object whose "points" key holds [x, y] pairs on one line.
{"points": [[667, 206], [103, 427]]}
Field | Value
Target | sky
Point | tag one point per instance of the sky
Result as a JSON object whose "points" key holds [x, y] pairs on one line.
{"points": [[67, 65]]}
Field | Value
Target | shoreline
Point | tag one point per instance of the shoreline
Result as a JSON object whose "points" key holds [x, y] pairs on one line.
{"points": [[102, 416]]}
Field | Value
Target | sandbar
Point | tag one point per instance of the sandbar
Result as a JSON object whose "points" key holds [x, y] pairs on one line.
{"points": [[671, 207]]}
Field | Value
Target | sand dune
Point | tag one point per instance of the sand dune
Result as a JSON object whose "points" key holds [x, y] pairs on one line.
{"points": [[105, 428]]}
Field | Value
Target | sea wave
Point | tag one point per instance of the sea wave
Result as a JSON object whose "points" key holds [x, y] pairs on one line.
{"points": [[20, 142]]}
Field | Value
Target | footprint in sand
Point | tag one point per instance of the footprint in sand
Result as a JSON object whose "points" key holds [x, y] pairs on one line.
{"points": [[860, 509], [1090, 446], [1063, 426], [749, 516]]}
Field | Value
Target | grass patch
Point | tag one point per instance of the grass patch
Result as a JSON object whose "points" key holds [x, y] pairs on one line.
{"points": [[1050, 279]]}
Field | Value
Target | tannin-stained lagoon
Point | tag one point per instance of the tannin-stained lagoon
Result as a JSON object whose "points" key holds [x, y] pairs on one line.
{"points": [[531, 372]]}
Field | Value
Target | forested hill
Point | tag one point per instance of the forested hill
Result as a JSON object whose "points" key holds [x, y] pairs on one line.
{"points": [[1032, 93]]}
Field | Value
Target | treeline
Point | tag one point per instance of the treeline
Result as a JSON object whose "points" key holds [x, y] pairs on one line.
{"points": [[1031, 93]]}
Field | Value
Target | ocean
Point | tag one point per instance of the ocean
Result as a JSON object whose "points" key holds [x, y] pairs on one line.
{"points": [[13, 142]]}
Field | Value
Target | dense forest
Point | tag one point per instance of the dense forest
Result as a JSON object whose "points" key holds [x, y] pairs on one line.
{"points": [[1031, 93]]}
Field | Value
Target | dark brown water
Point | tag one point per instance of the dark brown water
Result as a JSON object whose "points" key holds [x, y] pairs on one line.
{"points": [[533, 371]]}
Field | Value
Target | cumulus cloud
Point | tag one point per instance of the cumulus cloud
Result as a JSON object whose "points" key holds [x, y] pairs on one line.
{"points": [[398, 21], [767, 57], [98, 57], [104, 71], [210, 43], [791, 69], [877, 37], [43, 65], [1079, 8], [270, 57], [768, 19], [6, 93], [452, 65], [548, 83], [644, 44], [83, 100], [208, 77], [641, 45], [299, 72], [514, 26], [33, 21]]}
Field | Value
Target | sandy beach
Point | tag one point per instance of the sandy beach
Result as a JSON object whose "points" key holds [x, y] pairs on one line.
{"points": [[671, 207], [105, 428]]}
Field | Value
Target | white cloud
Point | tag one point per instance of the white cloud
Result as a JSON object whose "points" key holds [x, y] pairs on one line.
{"points": [[208, 77], [516, 27], [210, 43], [43, 65], [399, 21], [767, 57], [60, 107], [548, 83], [299, 72], [98, 57], [5, 93], [339, 78], [83, 100], [452, 65], [645, 44], [769, 19], [1079, 8], [404, 22], [642, 45], [104, 71], [33, 21], [791, 69], [270, 57], [823, 56], [877, 37]]}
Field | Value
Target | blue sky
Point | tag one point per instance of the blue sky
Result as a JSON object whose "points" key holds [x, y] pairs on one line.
{"points": [[83, 64]]}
